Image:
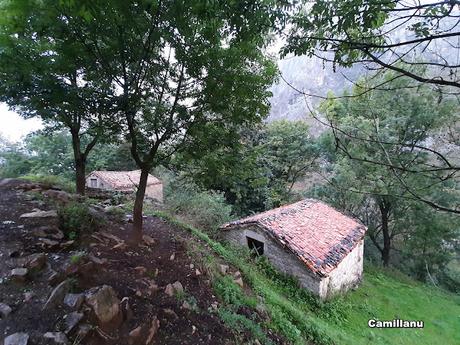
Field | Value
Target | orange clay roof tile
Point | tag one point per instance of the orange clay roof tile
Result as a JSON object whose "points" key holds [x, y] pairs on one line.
{"points": [[122, 180], [316, 233]]}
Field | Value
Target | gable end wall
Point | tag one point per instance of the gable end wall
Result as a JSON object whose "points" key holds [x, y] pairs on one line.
{"points": [[280, 257]]}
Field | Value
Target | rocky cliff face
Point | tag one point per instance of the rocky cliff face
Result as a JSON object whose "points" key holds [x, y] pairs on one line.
{"points": [[311, 76]]}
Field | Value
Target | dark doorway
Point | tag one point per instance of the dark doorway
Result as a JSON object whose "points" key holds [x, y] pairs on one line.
{"points": [[255, 246]]}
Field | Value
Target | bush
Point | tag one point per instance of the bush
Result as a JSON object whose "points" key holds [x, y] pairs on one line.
{"points": [[204, 209], [76, 219], [49, 181]]}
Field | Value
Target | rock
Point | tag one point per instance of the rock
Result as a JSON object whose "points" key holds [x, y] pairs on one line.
{"points": [[74, 300], [5, 310], [126, 309], [214, 305], [55, 278], [192, 266], [148, 240], [13, 253], [141, 270], [17, 339], [169, 290], [154, 326], [121, 246], [146, 330], [28, 296], [178, 287], [186, 305], [170, 312], [48, 232], [46, 243], [172, 257], [59, 195], [35, 262], [57, 295], [223, 269], [83, 331], [105, 304], [96, 260], [110, 236], [174, 289], [71, 321], [66, 244], [194, 329], [19, 275], [197, 272], [40, 214], [56, 337], [239, 281], [135, 336], [237, 274]]}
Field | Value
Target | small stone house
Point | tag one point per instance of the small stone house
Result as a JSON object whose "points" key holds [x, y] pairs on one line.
{"points": [[124, 181], [309, 240]]}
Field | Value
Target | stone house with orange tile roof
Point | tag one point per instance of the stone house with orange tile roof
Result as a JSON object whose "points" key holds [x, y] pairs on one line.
{"points": [[124, 181], [310, 240]]}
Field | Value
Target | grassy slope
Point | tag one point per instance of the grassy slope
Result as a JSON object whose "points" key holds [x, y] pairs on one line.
{"points": [[383, 295], [386, 296]]}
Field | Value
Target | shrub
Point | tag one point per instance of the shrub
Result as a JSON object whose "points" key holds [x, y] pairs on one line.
{"points": [[205, 209], [76, 218], [49, 181]]}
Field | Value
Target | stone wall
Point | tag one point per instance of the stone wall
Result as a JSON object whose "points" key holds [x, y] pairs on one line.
{"points": [[280, 257], [347, 274]]}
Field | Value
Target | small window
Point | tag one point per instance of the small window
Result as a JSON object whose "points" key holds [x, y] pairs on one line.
{"points": [[93, 182], [255, 246]]}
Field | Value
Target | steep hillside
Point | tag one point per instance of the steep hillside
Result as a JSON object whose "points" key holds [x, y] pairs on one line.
{"points": [[178, 287]]}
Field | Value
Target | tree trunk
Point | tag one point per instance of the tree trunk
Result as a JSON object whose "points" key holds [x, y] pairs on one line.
{"points": [[80, 172], [138, 207], [80, 163], [385, 213]]}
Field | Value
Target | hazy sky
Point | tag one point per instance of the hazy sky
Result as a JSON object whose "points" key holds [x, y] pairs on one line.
{"points": [[13, 127]]}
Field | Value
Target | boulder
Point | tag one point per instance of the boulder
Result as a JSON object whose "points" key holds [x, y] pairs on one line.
{"points": [[19, 275], [40, 214], [57, 295], [74, 300], [5, 310], [56, 338], [105, 305], [17, 339]]}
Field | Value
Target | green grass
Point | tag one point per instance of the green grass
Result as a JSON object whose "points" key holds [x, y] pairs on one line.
{"points": [[301, 318]]}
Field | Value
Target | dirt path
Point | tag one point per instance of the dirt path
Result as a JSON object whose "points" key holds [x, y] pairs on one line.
{"points": [[138, 276]]}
